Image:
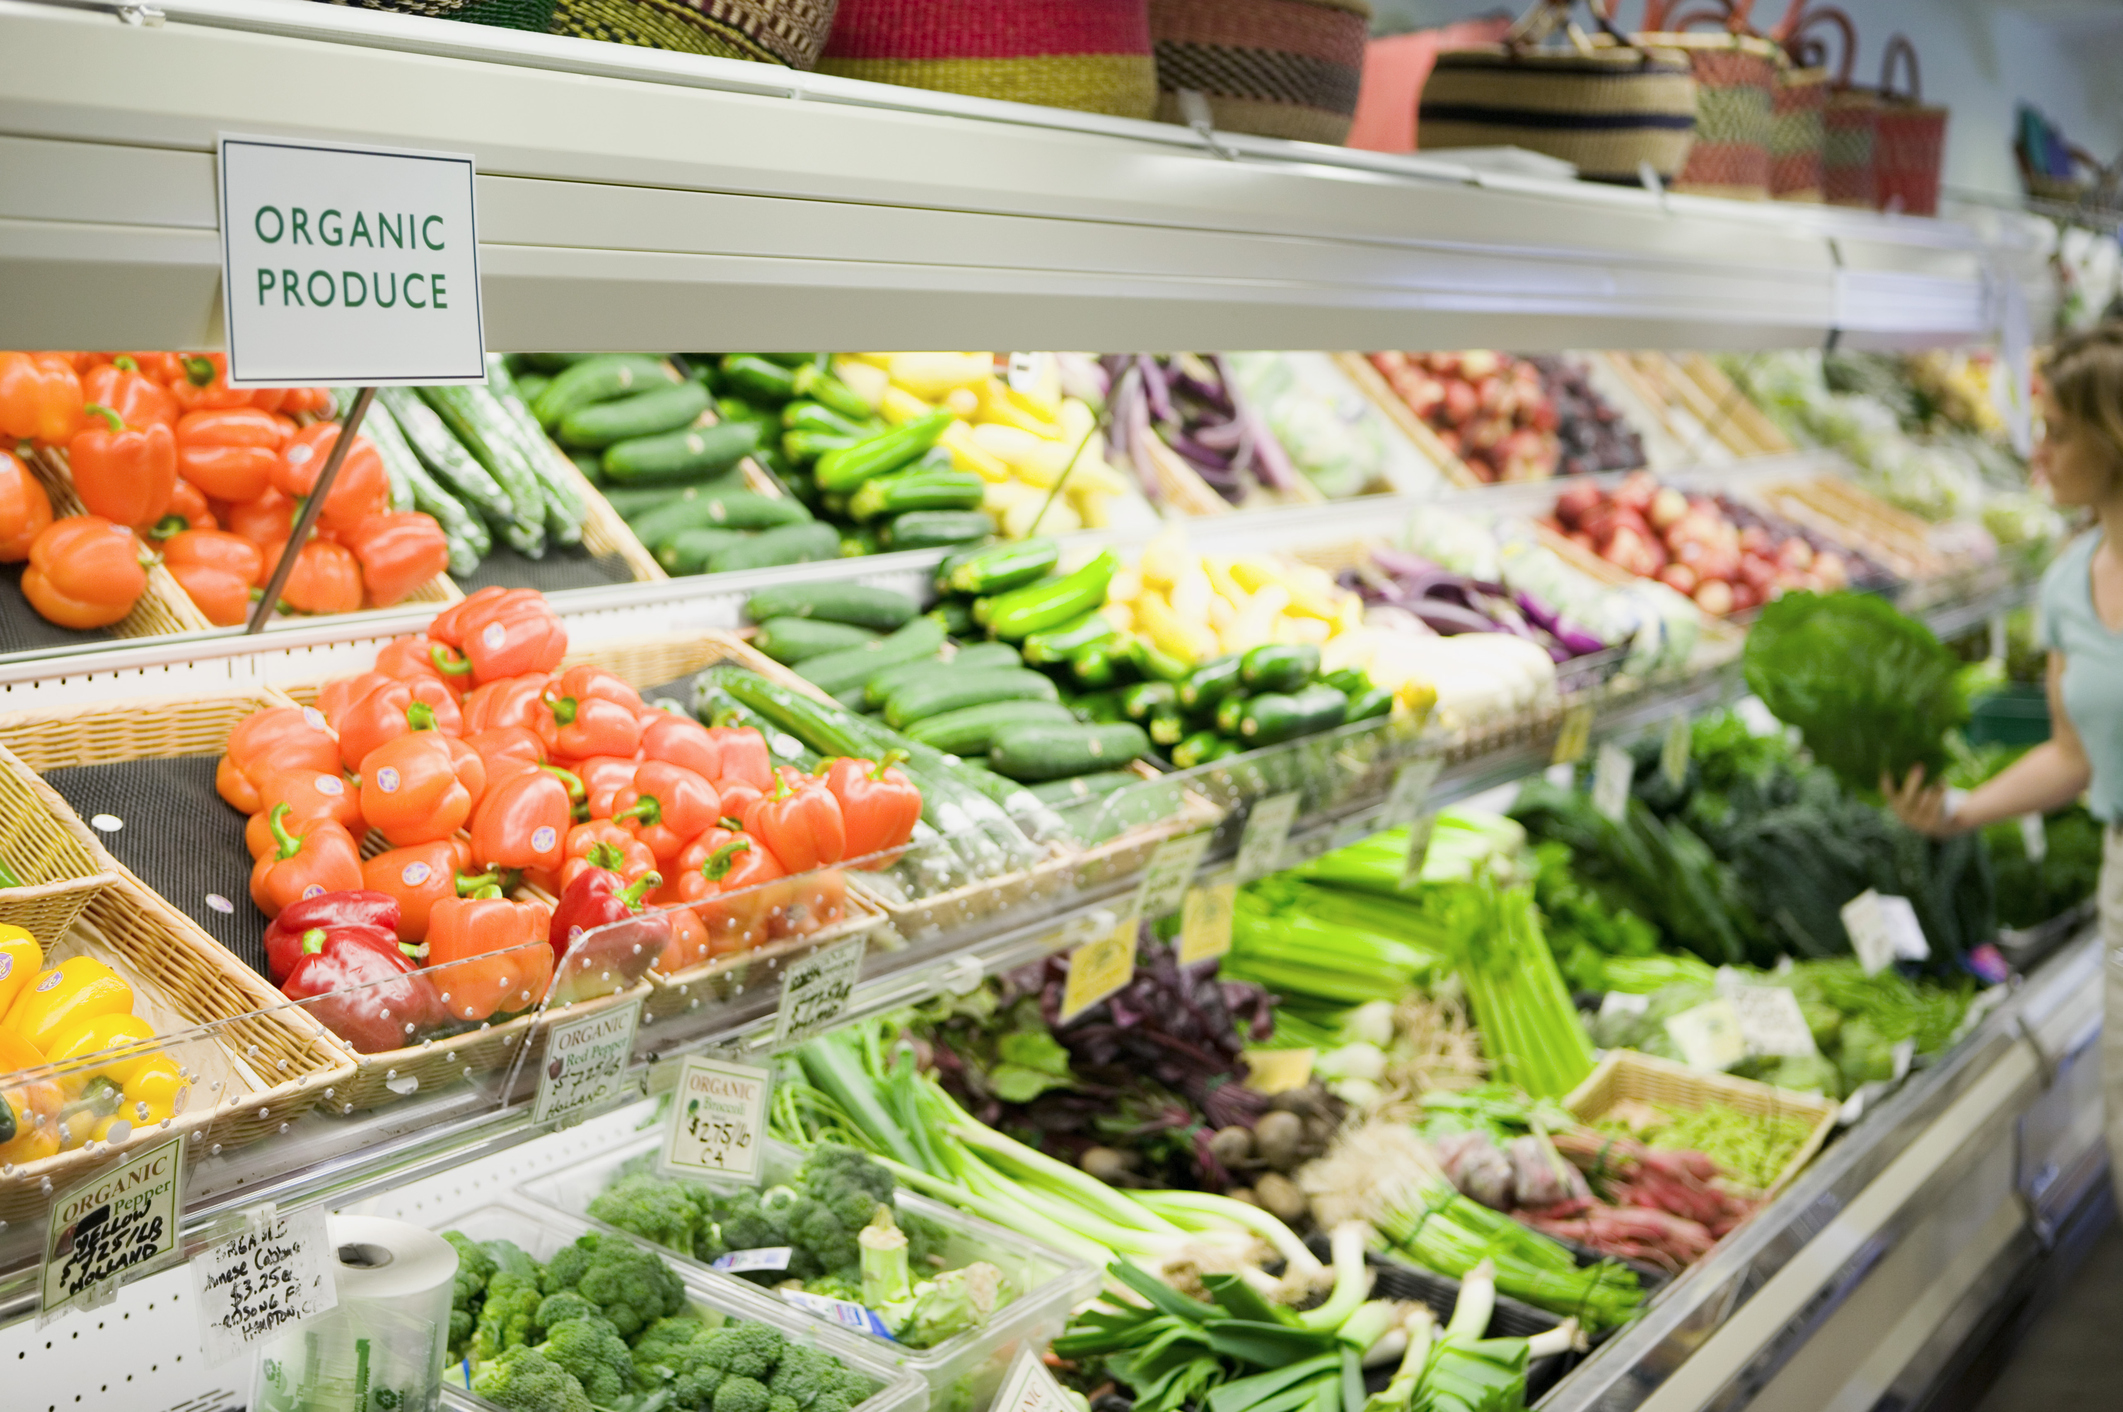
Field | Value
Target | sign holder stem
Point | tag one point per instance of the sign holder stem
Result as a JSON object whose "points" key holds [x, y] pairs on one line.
{"points": [[312, 506]]}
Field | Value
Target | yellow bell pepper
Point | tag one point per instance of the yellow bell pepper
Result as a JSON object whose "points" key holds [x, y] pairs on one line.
{"points": [[79, 988], [29, 1108], [127, 1033], [20, 961], [154, 1092]]}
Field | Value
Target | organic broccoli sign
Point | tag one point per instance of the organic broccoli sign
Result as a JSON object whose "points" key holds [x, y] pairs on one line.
{"points": [[353, 265]]}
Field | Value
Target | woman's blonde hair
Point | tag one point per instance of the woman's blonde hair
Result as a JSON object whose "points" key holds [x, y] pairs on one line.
{"points": [[2084, 373]]}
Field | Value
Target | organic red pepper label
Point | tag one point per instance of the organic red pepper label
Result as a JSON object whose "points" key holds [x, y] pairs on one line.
{"points": [[49, 981]]}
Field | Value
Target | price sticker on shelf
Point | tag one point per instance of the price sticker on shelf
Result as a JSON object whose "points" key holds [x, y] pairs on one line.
{"points": [[586, 1065], [1613, 771], [1674, 751], [1708, 1036], [1029, 1387], [114, 1225], [718, 1123], [1098, 968], [1260, 846], [1419, 835], [1883, 929], [1168, 874], [1572, 740], [264, 1282], [1412, 784], [1205, 921], [1771, 1023], [815, 991], [1273, 1071]]}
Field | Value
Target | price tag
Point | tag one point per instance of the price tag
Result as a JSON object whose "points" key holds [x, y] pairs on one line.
{"points": [[1883, 929], [1419, 835], [1273, 1071], [1771, 1022], [263, 1282], [1029, 1387], [1098, 968], [1205, 921], [764, 1257], [816, 990], [844, 1312], [1027, 370], [1260, 847], [586, 1064], [113, 1225], [2034, 839], [718, 1122], [1170, 870], [348, 265], [1709, 1035], [1673, 754], [1412, 784], [1623, 1003], [1613, 771], [1576, 734]]}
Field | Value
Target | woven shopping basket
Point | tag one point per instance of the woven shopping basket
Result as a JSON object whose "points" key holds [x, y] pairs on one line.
{"points": [[1092, 55], [1736, 77], [1912, 143], [1603, 104], [786, 32], [533, 15], [1850, 116], [1279, 68]]}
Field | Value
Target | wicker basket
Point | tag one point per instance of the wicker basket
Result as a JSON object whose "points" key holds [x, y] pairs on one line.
{"points": [[786, 32], [58, 873], [1850, 117], [1701, 400], [1736, 78], [1280, 68], [1626, 1076], [1092, 55], [1912, 140], [165, 607], [1835, 509], [1797, 132]]}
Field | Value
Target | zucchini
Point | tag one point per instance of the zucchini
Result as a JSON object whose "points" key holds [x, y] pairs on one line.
{"points": [[1208, 684], [481, 427], [756, 378], [1095, 666], [956, 616], [971, 730], [1279, 666], [1228, 712], [792, 640], [1098, 708], [1051, 752], [841, 471], [1275, 716], [692, 454], [903, 491], [565, 509], [985, 657], [1195, 749], [598, 424], [1077, 788], [1348, 681], [687, 551], [1141, 700], [598, 379], [883, 609], [1060, 644], [443, 454], [1017, 614], [1166, 726], [785, 544], [815, 416], [999, 568], [735, 509], [464, 532], [805, 445], [878, 687], [951, 691], [1155, 665], [837, 672], [1371, 702], [937, 529]]}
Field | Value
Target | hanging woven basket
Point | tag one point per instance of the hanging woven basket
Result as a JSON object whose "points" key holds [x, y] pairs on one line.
{"points": [[1279, 68]]}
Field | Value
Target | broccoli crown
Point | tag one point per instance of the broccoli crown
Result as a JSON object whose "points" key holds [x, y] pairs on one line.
{"points": [[630, 1286], [848, 1181], [925, 1242], [596, 1356], [525, 1380], [510, 1258], [741, 1394], [678, 1354], [507, 1317], [742, 1222], [803, 1374], [749, 1351], [665, 1340], [654, 1208], [557, 1309], [814, 1227], [834, 1400], [778, 1403], [474, 1268]]}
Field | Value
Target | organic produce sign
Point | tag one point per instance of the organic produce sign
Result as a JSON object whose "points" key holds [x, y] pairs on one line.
{"points": [[114, 1224], [348, 265], [718, 1120], [816, 990], [1029, 1387], [586, 1064]]}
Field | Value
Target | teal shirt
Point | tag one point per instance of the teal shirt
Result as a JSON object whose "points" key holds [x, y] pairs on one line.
{"points": [[2066, 622]]}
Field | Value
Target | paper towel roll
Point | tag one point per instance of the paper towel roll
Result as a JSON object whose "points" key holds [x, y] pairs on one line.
{"points": [[383, 1346]]}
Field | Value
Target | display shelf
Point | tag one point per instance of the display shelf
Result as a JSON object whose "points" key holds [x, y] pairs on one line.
{"points": [[630, 198]]}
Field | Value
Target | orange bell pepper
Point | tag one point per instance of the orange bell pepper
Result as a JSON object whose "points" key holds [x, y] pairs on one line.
{"points": [[268, 522], [488, 955], [508, 751], [603, 776], [216, 570], [40, 397], [600, 843], [506, 632], [188, 510], [136, 397], [266, 742], [665, 806], [311, 796], [124, 473], [336, 695], [204, 384], [33, 1103], [322, 859], [410, 791], [326, 579], [162, 368], [230, 453], [399, 552], [523, 822], [588, 712], [509, 701], [800, 822], [471, 767], [84, 572], [729, 880], [361, 489], [689, 944], [418, 876], [25, 509], [389, 710], [410, 658]]}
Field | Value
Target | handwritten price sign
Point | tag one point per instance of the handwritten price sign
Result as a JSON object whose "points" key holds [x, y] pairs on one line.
{"points": [[257, 1285], [112, 1225], [718, 1120], [816, 990]]}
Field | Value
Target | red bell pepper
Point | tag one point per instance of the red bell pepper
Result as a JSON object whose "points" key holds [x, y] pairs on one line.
{"points": [[800, 822], [879, 805], [84, 572], [324, 859], [665, 807], [139, 399], [505, 631], [231, 453], [743, 753], [391, 709], [508, 701], [590, 712], [410, 658], [362, 487], [204, 384], [358, 909], [729, 881], [524, 821], [277, 738], [600, 843], [311, 796], [418, 876], [680, 741], [363, 990], [40, 398], [124, 473], [603, 776], [399, 551], [602, 939], [25, 509], [326, 579], [488, 955], [410, 790]]}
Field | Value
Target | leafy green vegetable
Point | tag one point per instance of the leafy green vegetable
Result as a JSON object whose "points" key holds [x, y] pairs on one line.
{"points": [[1755, 1150], [1530, 1030]]}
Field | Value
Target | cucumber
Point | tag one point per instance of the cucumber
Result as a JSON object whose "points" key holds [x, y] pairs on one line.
{"points": [[1141, 700], [1051, 752], [916, 490], [1098, 708], [599, 424], [792, 640], [565, 508], [1019, 613], [956, 616], [464, 532], [632, 501], [598, 379], [1348, 681], [1279, 666], [592, 469], [786, 544], [813, 416], [999, 568], [1195, 749], [837, 672], [553, 363], [1228, 712], [1208, 684], [1166, 726], [857, 541], [1077, 788], [937, 529], [878, 688], [985, 657], [530, 384], [1155, 665], [443, 454], [734, 509], [1095, 666], [481, 427], [971, 730], [952, 691], [883, 609], [687, 551], [1275, 716], [691, 454], [1371, 702], [1060, 644]]}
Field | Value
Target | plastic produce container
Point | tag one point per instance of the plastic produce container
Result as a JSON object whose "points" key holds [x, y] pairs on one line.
{"points": [[963, 1374], [542, 1233]]}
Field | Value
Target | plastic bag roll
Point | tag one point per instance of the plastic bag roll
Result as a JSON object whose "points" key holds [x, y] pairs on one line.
{"points": [[382, 1348]]}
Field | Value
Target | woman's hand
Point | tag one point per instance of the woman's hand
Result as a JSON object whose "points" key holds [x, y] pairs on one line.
{"points": [[1920, 806]]}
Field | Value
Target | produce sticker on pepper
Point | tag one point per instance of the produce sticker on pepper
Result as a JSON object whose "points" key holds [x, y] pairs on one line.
{"points": [[816, 990], [113, 1225], [718, 1124], [258, 1285], [586, 1064]]}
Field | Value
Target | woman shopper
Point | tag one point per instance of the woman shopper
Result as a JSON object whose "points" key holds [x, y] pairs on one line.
{"points": [[2079, 618]]}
